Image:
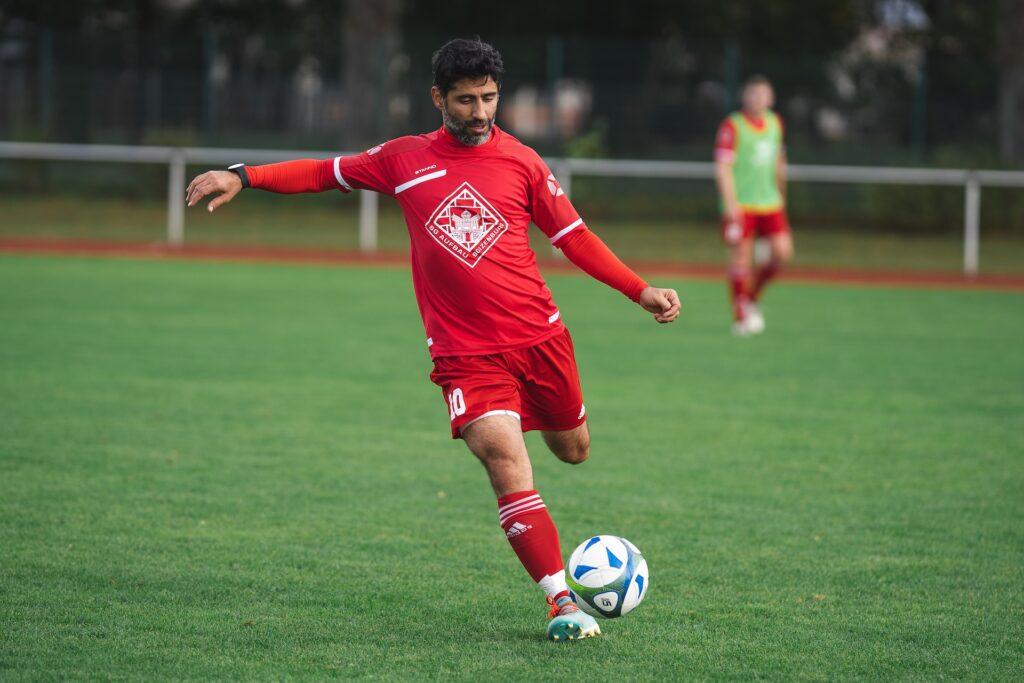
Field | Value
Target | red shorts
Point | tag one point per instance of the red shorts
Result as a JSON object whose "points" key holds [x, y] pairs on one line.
{"points": [[753, 225], [540, 385]]}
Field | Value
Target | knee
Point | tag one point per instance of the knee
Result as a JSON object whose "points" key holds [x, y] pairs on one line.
{"points": [[577, 453], [782, 251]]}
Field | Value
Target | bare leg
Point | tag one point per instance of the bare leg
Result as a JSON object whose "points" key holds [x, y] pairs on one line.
{"points": [[740, 255], [570, 445], [781, 252], [498, 443], [782, 247]]}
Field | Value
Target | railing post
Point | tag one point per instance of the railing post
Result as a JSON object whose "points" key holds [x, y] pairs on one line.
{"points": [[368, 221], [176, 199], [972, 220]]}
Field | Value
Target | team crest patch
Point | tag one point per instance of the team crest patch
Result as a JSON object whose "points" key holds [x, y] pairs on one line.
{"points": [[466, 225]]}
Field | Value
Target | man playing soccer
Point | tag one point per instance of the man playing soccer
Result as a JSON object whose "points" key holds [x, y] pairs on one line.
{"points": [[750, 170], [502, 358]]}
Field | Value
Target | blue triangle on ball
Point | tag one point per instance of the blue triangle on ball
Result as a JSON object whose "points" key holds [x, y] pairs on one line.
{"points": [[580, 570], [612, 560]]}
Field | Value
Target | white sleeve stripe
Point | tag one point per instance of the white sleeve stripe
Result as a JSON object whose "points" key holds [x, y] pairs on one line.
{"points": [[337, 174], [566, 230]]}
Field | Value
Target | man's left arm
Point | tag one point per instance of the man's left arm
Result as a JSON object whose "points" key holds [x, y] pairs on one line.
{"points": [[591, 255], [554, 214]]}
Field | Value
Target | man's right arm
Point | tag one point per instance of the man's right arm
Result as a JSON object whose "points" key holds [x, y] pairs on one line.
{"points": [[725, 154], [727, 189], [288, 177]]}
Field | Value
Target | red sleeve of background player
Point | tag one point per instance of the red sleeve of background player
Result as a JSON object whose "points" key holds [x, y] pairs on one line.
{"points": [[725, 142], [593, 257]]}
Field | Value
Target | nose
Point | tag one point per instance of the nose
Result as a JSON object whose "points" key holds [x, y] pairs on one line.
{"points": [[478, 110]]}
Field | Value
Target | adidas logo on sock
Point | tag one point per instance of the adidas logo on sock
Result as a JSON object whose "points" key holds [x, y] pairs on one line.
{"points": [[517, 528]]}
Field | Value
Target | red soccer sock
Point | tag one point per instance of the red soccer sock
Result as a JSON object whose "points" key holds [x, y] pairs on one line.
{"points": [[764, 275], [534, 538], [738, 290]]}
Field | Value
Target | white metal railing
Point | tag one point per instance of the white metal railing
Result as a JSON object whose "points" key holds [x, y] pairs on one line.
{"points": [[178, 157]]}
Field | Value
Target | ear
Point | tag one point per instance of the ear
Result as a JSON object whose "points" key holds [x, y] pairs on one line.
{"points": [[435, 95]]}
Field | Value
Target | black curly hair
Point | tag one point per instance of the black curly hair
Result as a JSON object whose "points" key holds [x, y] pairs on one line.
{"points": [[461, 58]]}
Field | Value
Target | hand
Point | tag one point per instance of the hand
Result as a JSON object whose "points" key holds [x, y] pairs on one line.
{"points": [[225, 183], [732, 226], [663, 303]]}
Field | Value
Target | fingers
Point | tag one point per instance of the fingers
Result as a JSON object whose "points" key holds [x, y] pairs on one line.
{"points": [[200, 186], [668, 300], [206, 184], [224, 198]]}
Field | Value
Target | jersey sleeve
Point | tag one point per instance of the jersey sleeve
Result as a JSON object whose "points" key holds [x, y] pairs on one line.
{"points": [[593, 257], [364, 171], [550, 208], [725, 142], [292, 177]]}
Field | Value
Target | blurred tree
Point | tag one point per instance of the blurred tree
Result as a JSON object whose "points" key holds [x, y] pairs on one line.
{"points": [[1010, 60], [371, 34]]}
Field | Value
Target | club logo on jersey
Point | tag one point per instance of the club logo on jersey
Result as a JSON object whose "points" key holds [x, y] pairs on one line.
{"points": [[553, 186], [466, 225]]}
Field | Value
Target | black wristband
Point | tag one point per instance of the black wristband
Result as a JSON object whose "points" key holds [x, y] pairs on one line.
{"points": [[239, 170]]}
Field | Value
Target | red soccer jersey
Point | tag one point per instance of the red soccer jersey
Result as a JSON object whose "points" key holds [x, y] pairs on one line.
{"points": [[468, 210]]}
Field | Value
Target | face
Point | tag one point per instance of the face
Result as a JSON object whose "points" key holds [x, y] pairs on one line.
{"points": [[758, 98], [468, 109]]}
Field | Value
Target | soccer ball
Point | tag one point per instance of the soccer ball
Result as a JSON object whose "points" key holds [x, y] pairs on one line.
{"points": [[607, 576]]}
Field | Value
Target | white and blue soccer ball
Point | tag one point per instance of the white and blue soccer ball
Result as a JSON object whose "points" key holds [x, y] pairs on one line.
{"points": [[607, 576]]}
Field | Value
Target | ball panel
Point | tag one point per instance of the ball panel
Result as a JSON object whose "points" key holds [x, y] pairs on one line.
{"points": [[606, 602]]}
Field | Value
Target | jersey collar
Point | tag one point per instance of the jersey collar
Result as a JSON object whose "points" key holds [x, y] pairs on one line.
{"points": [[451, 142], [757, 124]]}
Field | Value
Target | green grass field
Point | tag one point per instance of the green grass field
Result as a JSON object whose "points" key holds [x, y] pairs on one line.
{"points": [[242, 472]]}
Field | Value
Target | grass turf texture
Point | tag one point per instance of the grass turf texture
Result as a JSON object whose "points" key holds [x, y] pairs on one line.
{"points": [[331, 220], [242, 472]]}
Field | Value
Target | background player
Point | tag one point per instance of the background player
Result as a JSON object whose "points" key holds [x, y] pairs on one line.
{"points": [[750, 170], [502, 358]]}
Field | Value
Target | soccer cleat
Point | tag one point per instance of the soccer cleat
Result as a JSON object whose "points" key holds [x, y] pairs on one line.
{"points": [[753, 318], [740, 328], [569, 622]]}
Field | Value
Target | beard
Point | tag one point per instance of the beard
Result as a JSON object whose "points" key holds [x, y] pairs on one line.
{"points": [[460, 129]]}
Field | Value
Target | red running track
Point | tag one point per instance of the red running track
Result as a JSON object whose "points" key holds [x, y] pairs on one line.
{"points": [[204, 252]]}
